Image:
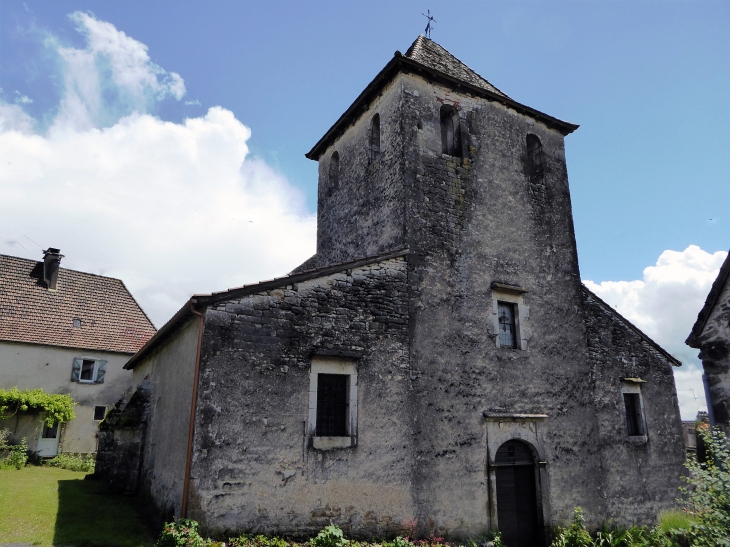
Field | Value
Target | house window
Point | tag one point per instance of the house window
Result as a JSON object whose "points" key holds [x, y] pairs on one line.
{"points": [[634, 408], [374, 141], [450, 131], [99, 413], [534, 159], [332, 403], [334, 173], [77, 323], [50, 432], [507, 330], [87, 370]]}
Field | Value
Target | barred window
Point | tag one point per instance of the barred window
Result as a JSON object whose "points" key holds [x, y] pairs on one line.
{"points": [[332, 405], [634, 418], [507, 330]]}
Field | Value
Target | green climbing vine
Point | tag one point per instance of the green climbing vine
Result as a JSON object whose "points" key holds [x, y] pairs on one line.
{"points": [[58, 408]]}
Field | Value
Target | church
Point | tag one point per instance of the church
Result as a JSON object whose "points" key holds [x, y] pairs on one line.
{"points": [[436, 368]]}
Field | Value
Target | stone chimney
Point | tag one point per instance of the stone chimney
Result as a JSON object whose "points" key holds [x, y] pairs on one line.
{"points": [[51, 262]]}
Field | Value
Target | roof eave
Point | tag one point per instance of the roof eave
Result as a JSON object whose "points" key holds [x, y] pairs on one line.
{"points": [[675, 362], [159, 335], [396, 64], [693, 340]]}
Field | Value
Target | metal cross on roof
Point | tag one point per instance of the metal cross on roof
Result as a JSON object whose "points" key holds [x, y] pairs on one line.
{"points": [[428, 26]]}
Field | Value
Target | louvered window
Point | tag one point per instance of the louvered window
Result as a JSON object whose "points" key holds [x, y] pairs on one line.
{"points": [[87, 370], [534, 158], [332, 405]]}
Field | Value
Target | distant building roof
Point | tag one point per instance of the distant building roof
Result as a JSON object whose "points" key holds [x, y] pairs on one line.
{"points": [[86, 311], [428, 58]]}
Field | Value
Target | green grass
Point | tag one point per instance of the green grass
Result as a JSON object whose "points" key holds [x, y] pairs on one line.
{"points": [[48, 506], [675, 520]]}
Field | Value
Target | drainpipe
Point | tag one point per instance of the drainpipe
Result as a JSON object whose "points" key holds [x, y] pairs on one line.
{"points": [[191, 426]]}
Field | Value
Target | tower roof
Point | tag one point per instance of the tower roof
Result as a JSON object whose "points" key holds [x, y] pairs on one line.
{"points": [[430, 54], [426, 56]]}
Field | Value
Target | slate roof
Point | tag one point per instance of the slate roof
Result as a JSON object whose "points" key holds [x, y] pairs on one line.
{"points": [[693, 339], [430, 60], [111, 319], [430, 54]]}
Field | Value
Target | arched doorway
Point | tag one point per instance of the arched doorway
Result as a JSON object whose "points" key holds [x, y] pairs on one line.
{"points": [[517, 503]]}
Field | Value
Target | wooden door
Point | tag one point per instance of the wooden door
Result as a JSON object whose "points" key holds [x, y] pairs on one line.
{"points": [[48, 441], [517, 504]]}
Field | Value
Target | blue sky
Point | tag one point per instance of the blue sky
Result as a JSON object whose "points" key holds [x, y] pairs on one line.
{"points": [[646, 80]]}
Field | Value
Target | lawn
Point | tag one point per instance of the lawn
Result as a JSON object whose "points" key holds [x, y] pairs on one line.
{"points": [[49, 506]]}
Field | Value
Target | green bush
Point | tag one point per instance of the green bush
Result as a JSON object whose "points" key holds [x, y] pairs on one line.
{"points": [[17, 457], [251, 540], [181, 533], [331, 536], [708, 497], [400, 541], [576, 535], [72, 462]]}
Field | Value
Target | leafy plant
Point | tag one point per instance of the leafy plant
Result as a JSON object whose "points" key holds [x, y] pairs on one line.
{"points": [[400, 541], [17, 457], [58, 408], [181, 533], [576, 535], [708, 497], [330, 536], [72, 462], [251, 540]]}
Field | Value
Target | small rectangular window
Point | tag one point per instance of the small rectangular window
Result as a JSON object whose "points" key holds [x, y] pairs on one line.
{"points": [[99, 412], [507, 330], [87, 370], [634, 419], [332, 405], [50, 432]]}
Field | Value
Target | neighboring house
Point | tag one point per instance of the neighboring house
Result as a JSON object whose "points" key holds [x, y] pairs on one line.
{"points": [[65, 332], [711, 335], [438, 363]]}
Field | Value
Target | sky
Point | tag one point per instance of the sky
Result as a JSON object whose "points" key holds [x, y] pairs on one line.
{"points": [[163, 142]]}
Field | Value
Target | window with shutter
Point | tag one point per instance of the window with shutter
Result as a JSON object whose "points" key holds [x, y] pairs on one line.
{"points": [[634, 420], [332, 403], [76, 370], [100, 371]]}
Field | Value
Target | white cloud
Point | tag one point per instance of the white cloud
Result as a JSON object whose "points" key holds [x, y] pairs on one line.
{"points": [[665, 304], [109, 79], [22, 99], [170, 208]]}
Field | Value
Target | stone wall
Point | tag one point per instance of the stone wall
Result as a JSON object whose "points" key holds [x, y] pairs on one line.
{"points": [[254, 464], [641, 477]]}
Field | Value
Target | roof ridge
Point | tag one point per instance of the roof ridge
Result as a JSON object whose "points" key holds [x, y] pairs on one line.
{"points": [[62, 268]]}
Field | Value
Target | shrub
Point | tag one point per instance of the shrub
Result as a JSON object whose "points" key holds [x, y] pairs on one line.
{"points": [[72, 462], [331, 536], [708, 497], [251, 540], [400, 541], [181, 533], [576, 535], [16, 455]]}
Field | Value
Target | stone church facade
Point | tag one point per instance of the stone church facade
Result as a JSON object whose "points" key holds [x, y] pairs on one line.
{"points": [[437, 366]]}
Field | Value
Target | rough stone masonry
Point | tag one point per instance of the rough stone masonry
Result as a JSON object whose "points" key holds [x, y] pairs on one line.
{"points": [[437, 366]]}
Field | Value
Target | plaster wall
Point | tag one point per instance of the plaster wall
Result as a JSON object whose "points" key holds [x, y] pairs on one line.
{"points": [[167, 375], [30, 366], [255, 466]]}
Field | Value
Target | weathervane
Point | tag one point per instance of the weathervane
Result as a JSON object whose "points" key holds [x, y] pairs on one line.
{"points": [[428, 26]]}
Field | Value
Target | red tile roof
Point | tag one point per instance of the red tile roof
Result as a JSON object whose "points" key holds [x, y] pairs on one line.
{"points": [[111, 319]]}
